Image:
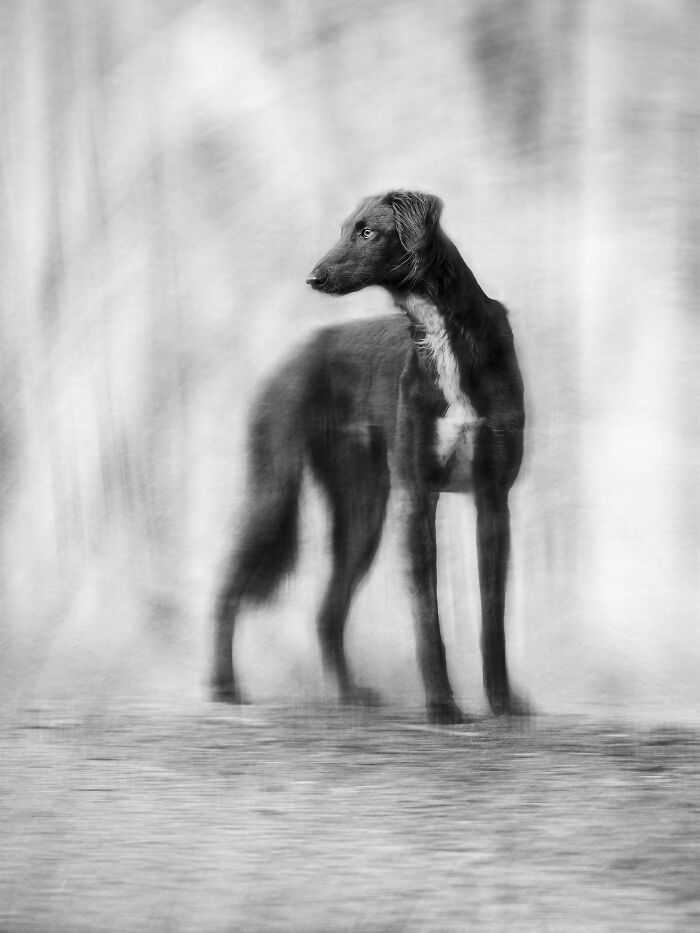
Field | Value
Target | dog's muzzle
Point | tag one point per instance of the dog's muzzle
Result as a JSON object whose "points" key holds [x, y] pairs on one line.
{"points": [[317, 279]]}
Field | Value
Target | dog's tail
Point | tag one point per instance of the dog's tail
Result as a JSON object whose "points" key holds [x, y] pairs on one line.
{"points": [[267, 548]]}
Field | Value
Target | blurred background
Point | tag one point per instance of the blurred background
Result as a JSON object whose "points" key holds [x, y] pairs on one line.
{"points": [[170, 171]]}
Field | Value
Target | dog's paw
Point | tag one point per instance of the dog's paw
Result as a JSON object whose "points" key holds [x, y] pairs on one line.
{"points": [[519, 706], [226, 693], [511, 704], [361, 696], [445, 713]]}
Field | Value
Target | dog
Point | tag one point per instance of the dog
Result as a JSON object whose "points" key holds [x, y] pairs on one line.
{"points": [[427, 400]]}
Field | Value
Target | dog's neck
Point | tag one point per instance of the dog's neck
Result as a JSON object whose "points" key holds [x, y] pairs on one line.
{"points": [[446, 281], [449, 313], [434, 343]]}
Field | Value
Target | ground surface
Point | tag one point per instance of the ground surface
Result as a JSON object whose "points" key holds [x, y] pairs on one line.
{"points": [[218, 819]]}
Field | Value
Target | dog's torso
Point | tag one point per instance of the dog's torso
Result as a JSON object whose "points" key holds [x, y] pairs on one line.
{"points": [[371, 377]]}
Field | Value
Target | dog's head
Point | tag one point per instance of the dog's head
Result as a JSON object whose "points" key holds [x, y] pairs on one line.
{"points": [[386, 241]]}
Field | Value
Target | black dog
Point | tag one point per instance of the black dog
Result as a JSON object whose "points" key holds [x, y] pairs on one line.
{"points": [[430, 400]]}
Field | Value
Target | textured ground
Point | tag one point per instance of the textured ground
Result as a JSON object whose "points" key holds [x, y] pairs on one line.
{"points": [[216, 819]]}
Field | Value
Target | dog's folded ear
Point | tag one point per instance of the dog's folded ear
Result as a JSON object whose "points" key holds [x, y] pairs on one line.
{"points": [[416, 216]]}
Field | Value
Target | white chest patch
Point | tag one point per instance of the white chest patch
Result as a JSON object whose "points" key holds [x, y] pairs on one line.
{"points": [[456, 429]]}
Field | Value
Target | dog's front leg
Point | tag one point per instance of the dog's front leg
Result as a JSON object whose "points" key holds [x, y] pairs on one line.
{"points": [[422, 555], [493, 542]]}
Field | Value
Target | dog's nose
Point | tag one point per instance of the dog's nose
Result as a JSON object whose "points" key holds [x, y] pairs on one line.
{"points": [[317, 278]]}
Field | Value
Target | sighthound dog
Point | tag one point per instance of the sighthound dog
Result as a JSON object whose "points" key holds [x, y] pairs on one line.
{"points": [[430, 400]]}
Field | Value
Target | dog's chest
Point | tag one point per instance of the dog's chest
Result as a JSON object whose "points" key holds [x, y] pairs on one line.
{"points": [[455, 430]]}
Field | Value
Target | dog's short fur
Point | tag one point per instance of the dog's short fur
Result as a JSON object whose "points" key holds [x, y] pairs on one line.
{"points": [[430, 400]]}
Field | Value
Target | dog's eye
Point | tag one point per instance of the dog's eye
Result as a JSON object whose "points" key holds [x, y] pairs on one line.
{"points": [[366, 233]]}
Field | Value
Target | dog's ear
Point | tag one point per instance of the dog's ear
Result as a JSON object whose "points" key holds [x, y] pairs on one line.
{"points": [[416, 216]]}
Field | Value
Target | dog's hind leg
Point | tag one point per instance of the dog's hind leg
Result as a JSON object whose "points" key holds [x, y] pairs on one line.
{"points": [[355, 476], [265, 552], [223, 684]]}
